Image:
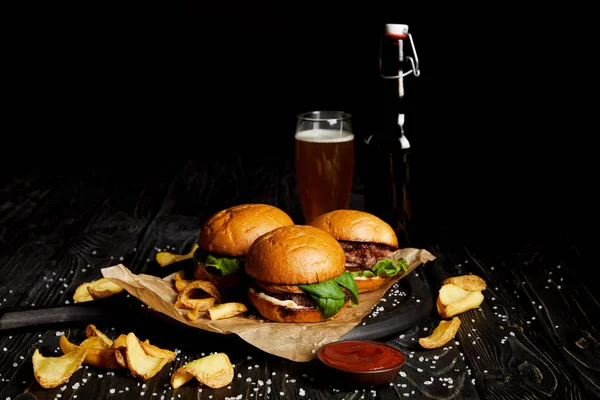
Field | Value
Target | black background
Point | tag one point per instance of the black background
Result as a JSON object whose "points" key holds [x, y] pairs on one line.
{"points": [[502, 141]]}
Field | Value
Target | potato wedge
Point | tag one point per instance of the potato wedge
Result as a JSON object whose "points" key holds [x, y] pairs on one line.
{"points": [[102, 288], [156, 351], [141, 365], [94, 290], [94, 342], [193, 314], [120, 341], [441, 335], [103, 358], [82, 294], [450, 293], [199, 294], [165, 258], [51, 372], [471, 301], [226, 310], [468, 282], [214, 371], [180, 283], [91, 331]]}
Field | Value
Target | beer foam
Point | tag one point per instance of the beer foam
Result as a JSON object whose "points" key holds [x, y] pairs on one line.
{"points": [[324, 136]]}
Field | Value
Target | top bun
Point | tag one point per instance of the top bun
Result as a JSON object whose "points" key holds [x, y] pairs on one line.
{"points": [[231, 231], [356, 226], [293, 255]]}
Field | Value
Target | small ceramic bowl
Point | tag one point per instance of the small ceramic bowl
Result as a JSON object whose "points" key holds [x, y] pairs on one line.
{"points": [[360, 363]]}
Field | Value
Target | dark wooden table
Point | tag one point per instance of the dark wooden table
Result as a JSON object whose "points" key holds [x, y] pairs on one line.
{"points": [[534, 337]]}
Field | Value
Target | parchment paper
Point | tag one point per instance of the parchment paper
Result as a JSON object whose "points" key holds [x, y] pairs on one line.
{"points": [[294, 341]]}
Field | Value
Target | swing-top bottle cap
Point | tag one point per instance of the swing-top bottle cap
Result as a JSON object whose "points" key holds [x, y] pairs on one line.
{"points": [[396, 29]]}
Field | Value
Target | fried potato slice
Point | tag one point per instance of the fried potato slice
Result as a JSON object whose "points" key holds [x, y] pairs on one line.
{"points": [[467, 282], [94, 342], [51, 372], [103, 358], [214, 370], [441, 335], [180, 283], [94, 290], [194, 313], [156, 351], [199, 294], [102, 288], [142, 365], [82, 294], [226, 310], [165, 258], [449, 293], [120, 341], [470, 301], [92, 331]]}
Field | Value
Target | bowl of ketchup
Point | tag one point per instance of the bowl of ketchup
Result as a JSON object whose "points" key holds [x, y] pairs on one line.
{"points": [[361, 362]]}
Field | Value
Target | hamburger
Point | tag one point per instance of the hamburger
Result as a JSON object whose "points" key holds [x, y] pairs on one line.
{"points": [[225, 239], [368, 243], [299, 275]]}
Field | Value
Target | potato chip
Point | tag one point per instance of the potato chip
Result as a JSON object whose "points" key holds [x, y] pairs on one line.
{"points": [[441, 335], [226, 310], [214, 371], [467, 282], [142, 365], [51, 372], [103, 358], [165, 258], [91, 331]]}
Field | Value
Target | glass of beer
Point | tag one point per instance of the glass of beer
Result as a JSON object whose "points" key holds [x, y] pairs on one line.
{"points": [[324, 160]]}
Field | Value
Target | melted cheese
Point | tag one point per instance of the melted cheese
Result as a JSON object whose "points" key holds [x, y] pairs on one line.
{"points": [[284, 303]]}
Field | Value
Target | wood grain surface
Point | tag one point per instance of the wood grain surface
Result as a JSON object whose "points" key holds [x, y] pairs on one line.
{"points": [[534, 337]]}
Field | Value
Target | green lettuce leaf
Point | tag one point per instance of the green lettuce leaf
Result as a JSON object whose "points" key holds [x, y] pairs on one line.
{"points": [[222, 266], [327, 296], [389, 267], [346, 280]]}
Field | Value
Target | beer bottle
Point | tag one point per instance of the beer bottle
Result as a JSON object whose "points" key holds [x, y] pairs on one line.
{"points": [[387, 148]]}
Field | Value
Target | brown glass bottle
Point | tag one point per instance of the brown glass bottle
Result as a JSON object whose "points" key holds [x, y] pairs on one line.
{"points": [[388, 152]]}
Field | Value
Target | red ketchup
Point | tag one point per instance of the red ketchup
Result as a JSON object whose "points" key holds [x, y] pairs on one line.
{"points": [[361, 355]]}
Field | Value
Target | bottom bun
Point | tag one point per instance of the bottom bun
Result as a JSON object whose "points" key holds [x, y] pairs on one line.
{"points": [[279, 313], [371, 284]]}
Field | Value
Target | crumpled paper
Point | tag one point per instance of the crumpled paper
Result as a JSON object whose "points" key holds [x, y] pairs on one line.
{"points": [[294, 341]]}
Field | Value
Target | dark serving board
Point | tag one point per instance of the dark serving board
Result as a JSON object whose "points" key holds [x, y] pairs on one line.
{"points": [[404, 305]]}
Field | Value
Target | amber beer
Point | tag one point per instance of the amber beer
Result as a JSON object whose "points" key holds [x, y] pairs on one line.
{"points": [[324, 170]]}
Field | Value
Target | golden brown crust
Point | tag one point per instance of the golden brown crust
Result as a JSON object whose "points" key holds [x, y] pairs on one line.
{"points": [[356, 226], [295, 254], [231, 231], [280, 313], [371, 284]]}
